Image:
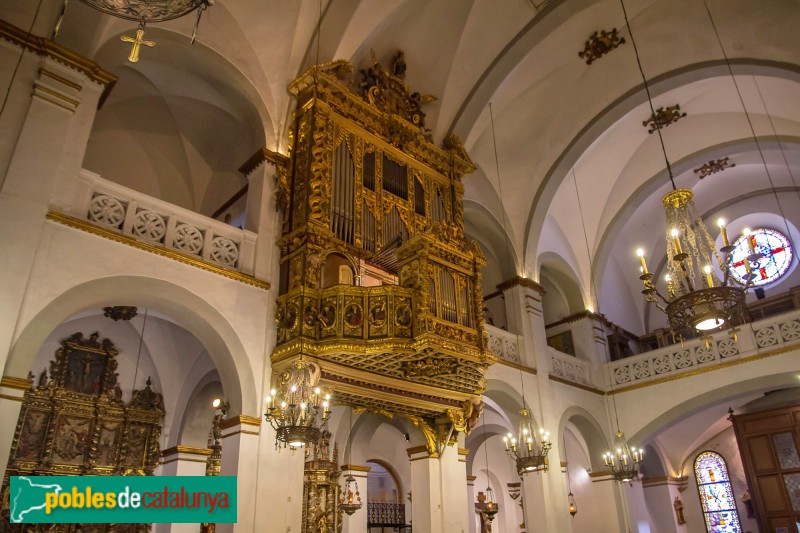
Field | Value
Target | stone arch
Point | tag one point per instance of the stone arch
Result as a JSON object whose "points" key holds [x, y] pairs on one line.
{"points": [[393, 473], [556, 273], [697, 402], [616, 110], [195, 314], [590, 430]]}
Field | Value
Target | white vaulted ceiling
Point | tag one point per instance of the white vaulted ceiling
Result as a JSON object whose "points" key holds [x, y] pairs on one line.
{"points": [[181, 121]]}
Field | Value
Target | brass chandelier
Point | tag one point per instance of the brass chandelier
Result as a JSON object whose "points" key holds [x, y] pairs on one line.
{"points": [[699, 295], [299, 410], [528, 450], [624, 461]]}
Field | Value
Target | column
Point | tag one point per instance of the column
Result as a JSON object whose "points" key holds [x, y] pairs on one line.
{"points": [[439, 490], [544, 498], [240, 437], [426, 497], [182, 461], [263, 170], [660, 495], [637, 511], [608, 498], [472, 499], [357, 522]]}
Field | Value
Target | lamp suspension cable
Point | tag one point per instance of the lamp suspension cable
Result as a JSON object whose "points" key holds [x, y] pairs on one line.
{"points": [[747, 116], [139, 351], [649, 96], [506, 236]]}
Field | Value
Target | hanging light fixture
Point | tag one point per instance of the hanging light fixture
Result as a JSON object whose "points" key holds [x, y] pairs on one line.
{"points": [[697, 296], [350, 501], [490, 506], [528, 450], [299, 410], [573, 508], [624, 461]]}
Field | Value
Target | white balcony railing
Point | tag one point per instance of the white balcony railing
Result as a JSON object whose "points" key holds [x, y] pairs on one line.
{"points": [[504, 345], [162, 224], [765, 335], [569, 367]]}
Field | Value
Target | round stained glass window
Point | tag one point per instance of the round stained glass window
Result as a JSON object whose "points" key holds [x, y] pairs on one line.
{"points": [[776, 256]]}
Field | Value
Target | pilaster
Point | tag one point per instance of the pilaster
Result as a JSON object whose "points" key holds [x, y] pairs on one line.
{"points": [[182, 461], [240, 439], [12, 391], [426, 495], [63, 92]]}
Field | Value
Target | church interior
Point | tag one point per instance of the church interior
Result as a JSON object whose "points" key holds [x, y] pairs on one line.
{"points": [[441, 266]]}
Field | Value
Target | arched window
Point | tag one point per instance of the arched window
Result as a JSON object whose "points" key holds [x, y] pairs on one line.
{"points": [[716, 494]]}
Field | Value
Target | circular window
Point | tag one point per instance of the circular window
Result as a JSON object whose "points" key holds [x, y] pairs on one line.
{"points": [[776, 256]]}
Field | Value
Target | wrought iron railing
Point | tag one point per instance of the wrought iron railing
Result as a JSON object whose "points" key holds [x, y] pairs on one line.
{"points": [[386, 515]]}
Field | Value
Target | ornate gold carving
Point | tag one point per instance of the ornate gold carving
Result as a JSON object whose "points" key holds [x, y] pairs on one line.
{"points": [[599, 44], [120, 312], [76, 423], [46, 47], [663, 117], [429, 367], [713, 166], [431, 440], [465, 419]]}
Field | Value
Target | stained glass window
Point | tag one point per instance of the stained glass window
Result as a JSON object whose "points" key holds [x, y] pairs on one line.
{"points": [[776, 256], [716, 494]]}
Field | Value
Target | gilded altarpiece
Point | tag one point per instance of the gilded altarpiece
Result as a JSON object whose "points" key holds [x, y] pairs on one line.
{"points": [[76, 423], [379, 285], [321, 512]]}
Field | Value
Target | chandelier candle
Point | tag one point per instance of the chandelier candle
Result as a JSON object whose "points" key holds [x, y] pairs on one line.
{"points": [[725, 242], [640, 253]]}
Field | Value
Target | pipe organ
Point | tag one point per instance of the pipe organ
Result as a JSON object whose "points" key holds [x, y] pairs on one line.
{"points": [[365, 190]]}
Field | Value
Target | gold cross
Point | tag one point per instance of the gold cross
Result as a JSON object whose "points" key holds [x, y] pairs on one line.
{"points": [[137, 42]]}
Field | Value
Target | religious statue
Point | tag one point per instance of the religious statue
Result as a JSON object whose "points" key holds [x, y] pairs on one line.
{"points": [[678, 505], [748, 503]]}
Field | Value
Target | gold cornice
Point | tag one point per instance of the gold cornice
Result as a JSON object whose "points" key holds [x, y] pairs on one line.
{"points": [[703, 370], [12, 382], [48, 48], [520, 281], [664, 480], [473, 478], [85, 225], [558, 379], [421, 449], [240, 420], [263, 155], [185, 449], [355, 468], [518, 366], [463, 451], [603, 473]]}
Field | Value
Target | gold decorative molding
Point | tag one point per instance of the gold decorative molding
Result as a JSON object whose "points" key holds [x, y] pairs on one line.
{"points": [[528, 369], [463, 451], [355, 468], [421, 449], [523, 282], [603, 473], [186, 449], [558, 379], [240, 420], [48, 48], [85, 225], [264, 155], [12, 382], [664, 480], [471, 478], [703, 370]]}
